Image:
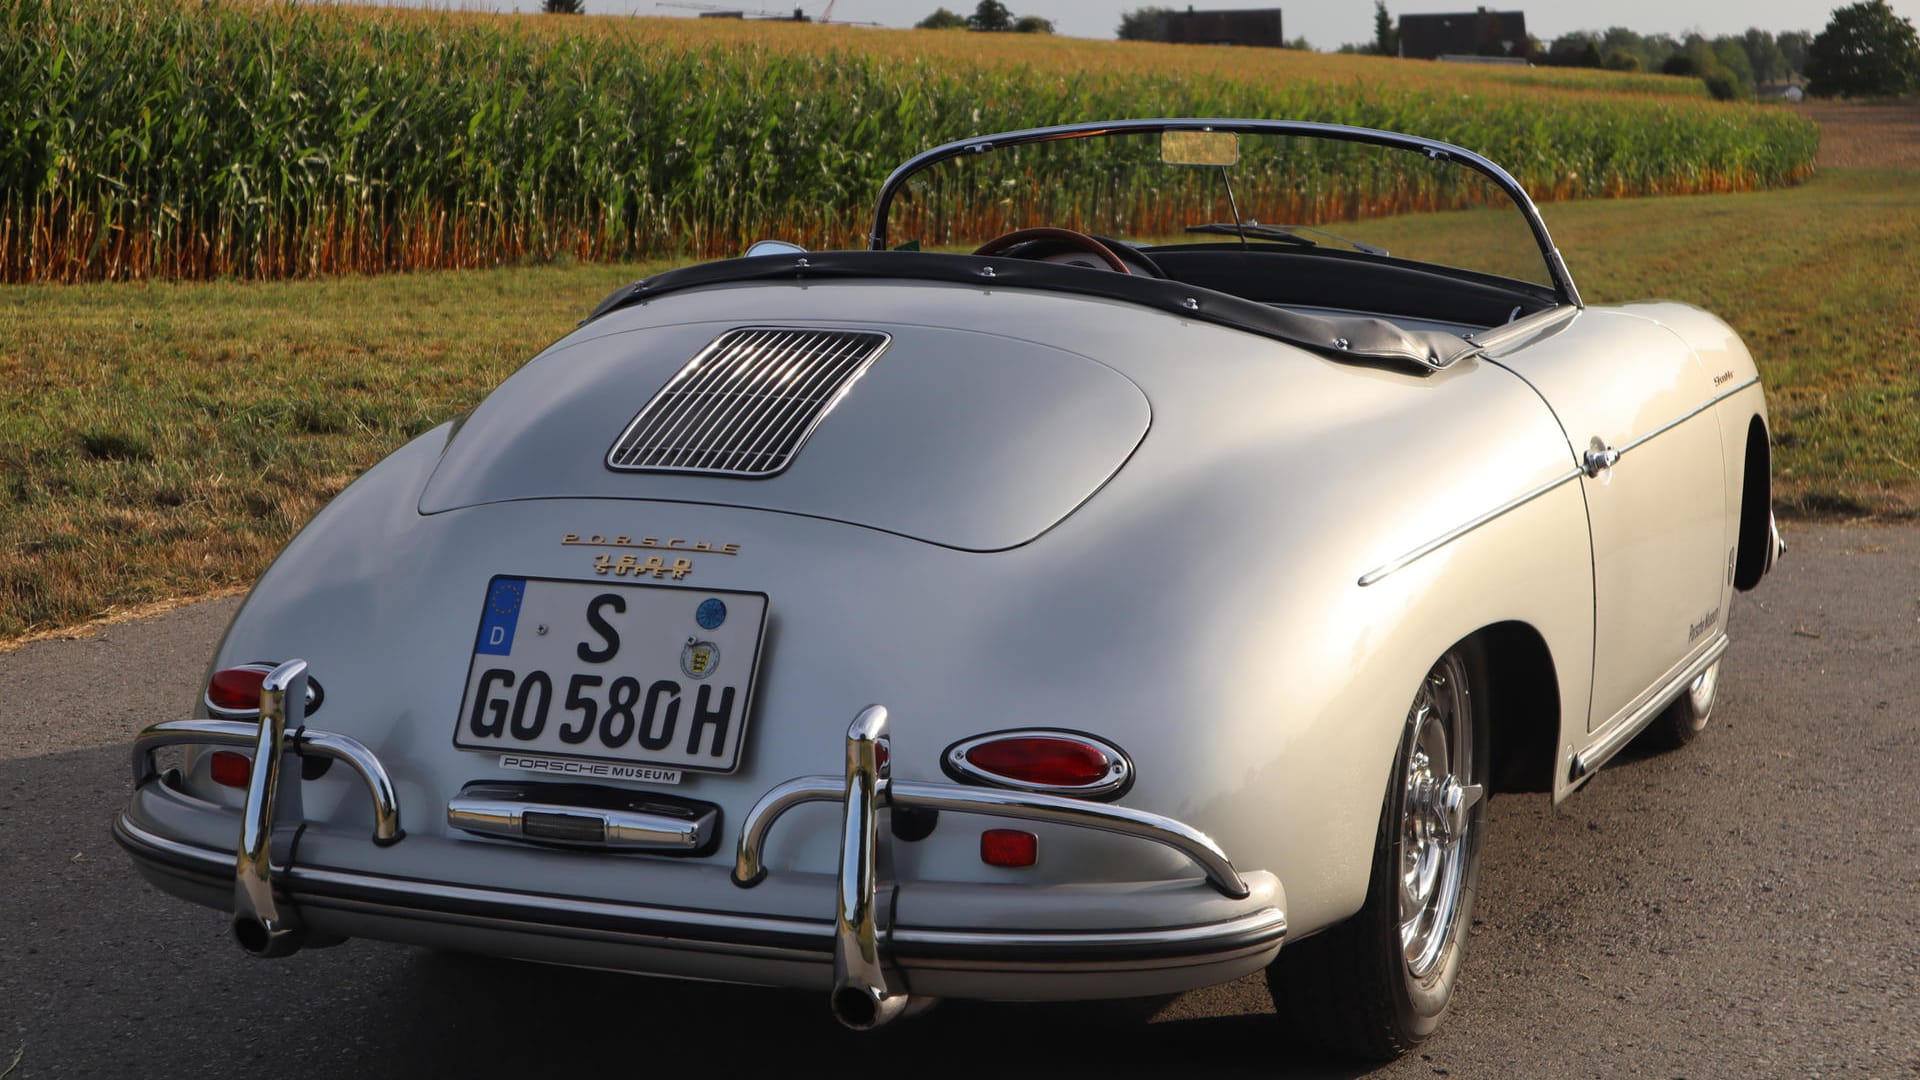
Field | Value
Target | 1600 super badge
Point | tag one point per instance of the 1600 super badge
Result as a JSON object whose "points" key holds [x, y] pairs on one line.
{"points": [[627, 673]]}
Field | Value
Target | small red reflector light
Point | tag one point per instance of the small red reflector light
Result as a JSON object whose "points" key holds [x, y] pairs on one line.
{"points": [[1042, 759], [231, 769], [236, 689], [1009, 847]]}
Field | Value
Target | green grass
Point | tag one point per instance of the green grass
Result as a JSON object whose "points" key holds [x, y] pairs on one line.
{"points": [[1823, 284], [162, 440]]}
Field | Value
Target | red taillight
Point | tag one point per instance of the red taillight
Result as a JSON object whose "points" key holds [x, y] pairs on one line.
{"points": [[237, 689], [235, 692], [1009, 847], [230, 769], [1044, 760]]}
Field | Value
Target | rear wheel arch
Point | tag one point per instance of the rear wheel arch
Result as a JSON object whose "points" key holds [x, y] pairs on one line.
{"points": [[1756, 509]]}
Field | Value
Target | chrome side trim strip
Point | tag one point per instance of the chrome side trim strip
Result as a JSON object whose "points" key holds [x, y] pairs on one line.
{"points": [[1671, 424], [304, 742], [1381, 572], [1588, 761], [257, 920]]}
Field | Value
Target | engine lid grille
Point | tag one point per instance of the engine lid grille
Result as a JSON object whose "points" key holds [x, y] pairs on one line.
{"points": [[746, 404]]}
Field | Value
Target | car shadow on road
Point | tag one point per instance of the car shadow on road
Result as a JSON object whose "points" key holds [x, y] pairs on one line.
{"points": [[490, 1017]]}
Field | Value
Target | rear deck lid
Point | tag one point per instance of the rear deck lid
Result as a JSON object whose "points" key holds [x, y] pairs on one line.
{"points": [[963, 438]]}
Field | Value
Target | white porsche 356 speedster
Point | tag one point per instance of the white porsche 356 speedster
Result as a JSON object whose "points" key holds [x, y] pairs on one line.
{"points": [[1133, 571]]}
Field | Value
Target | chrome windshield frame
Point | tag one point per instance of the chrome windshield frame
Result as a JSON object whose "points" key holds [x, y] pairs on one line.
{"points": [[1556, 266]]}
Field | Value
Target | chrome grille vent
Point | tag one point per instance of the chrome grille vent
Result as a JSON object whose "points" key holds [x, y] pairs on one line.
{"points": [[747, 403]]}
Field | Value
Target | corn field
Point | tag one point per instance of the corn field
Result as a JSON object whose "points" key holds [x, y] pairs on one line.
{"points": [[213, 138]]}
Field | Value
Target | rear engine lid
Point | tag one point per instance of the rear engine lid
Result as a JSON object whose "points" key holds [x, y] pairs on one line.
{"points": [[962, 438]]}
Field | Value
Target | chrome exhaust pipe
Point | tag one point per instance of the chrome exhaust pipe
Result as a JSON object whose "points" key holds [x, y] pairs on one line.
{"points": [[269, 943], [861, 998], [258, 924]]}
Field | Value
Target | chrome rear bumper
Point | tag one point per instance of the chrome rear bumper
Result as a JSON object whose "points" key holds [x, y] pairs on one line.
{"points": [[868, 957]]}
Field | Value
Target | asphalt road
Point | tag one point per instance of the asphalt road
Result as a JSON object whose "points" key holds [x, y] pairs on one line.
{"points": [[1744, 907]]}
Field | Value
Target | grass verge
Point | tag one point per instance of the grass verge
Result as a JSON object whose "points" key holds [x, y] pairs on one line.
{"points": [[164, 440]]}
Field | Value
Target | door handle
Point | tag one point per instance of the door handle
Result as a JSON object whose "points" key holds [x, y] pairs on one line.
{"points": [[1599, 458]]}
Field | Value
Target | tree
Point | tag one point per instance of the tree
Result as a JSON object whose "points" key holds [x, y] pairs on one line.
{"points": [[942, 19], [991, 16], [1386, 41], [1621, 60], [1141, 24], [1578, 49], [1679, 64], [1866, 50], [1793, 49], [1032, 24], [564, 7], [1764, 56], [1731, 57]]}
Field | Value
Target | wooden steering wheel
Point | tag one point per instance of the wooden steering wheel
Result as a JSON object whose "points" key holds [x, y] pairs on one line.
{"points": [[1067, 238]]}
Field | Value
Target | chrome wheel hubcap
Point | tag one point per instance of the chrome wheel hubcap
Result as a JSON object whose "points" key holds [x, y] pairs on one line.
{"points": [[1701, 694], [1436, 814]]}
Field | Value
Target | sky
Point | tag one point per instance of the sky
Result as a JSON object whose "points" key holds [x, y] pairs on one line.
{"points": [[1326, 24]]}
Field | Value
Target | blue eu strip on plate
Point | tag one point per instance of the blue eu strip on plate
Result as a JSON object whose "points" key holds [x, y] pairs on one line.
{"points": [[501, 616]]}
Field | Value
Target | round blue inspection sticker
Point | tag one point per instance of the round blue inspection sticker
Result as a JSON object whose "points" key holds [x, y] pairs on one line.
{"points": [[711, 613]]}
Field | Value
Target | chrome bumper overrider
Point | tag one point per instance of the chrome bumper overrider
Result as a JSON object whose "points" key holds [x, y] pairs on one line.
{"points": [[867, 953], [862, 998]]}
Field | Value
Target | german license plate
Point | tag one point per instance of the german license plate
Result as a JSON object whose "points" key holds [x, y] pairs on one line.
{"points": [[645, 674]]}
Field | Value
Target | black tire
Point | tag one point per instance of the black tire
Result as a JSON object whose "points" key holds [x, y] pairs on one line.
{"points": [[1683, 720], [1378, 984]]}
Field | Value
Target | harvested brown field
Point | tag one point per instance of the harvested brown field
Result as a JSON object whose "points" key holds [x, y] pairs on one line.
{"points": [[1855, 135]]}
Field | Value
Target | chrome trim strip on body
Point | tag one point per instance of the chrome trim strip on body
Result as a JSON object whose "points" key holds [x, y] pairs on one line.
{"points": [[1671, 424], [303, 742], [350, 890], [1588, 761], [1381, 572], [257, 920], [750, 869], [546, 823]]}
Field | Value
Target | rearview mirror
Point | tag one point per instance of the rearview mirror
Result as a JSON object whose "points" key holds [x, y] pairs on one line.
{"points": [[1199, 148]]}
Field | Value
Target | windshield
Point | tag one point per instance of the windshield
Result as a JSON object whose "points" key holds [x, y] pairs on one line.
{"points": [[1275, 188]]}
